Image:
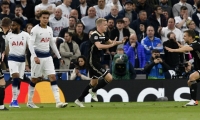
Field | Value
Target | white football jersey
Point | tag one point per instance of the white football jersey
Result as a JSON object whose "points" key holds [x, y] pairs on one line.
{"points": [[101, 13], [57, 25], [17, 45], [65, 10], [42, 39]]}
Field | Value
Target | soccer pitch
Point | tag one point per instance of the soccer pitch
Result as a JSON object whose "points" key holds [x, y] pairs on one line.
{"points": [[106, 111]]}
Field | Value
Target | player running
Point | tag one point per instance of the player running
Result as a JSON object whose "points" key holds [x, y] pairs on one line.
{"points": [[41, 60], [96, 71], [194, 48]]}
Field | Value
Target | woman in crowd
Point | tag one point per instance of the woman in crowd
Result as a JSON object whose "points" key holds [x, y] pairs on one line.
{"points": [[79, 36], [80, 72]]}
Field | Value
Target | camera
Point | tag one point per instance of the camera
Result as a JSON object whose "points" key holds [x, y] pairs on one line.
{"points": [[180, 69]]}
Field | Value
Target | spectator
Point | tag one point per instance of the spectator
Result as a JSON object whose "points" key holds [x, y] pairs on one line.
{"points": [[171, 28], [28, 9], [166, 14], [120, 32], [135, 25], [142, 34], [188, 69], [126, 25], [115, 3], [114, 14], [150, 42], [6, 11], [172, 59], [68, 50], [177, 6], [166, 7], [191, 26], [143, 5], [182, 19], [128, 11], [28, 28], [92, 2], [110, 27], [121, 68], [56, 2], [79, 36], [156, 67], [82, 9], [89, 21], [71, 28], [58, 22], [196, 18], [35, 20], [74, 13], [80, 72], [11, 6], [85, 46], [19, 14], [46, 6], [195, 5], [65, 7], [135, 52], [102, 9], [157, 19]]}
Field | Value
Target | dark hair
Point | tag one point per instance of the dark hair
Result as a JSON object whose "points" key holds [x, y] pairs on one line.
{"points": [[44, 12], [18, 6], [183, 8], [156, 7], [110, 19], [18, 21], [155, 51], [81, 24], [6, 22], [4, 3], [85, 60], [73, 18], [120, 21], [198, 4], [69, 33], [171, 18], [25, 29], [168, 35], [190, 33]]}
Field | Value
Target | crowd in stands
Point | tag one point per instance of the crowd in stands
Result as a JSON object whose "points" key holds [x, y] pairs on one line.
{"points": [[148, 26]]}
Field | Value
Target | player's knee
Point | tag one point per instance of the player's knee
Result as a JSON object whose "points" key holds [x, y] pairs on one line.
{"points": [[2, 82], [194, 76], [109, 77], [52, 78], [94, 82]]}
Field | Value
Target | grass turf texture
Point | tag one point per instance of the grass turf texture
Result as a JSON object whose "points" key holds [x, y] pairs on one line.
{"points": [[106, 111]]}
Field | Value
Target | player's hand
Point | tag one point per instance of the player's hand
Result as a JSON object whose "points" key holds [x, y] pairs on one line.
{"points": [[133, 45], [8, 11], [169, 49], [160, 60], [37, 60], [27, 68], [20, 14], [114, 42], [156, 61], [124, 40]]}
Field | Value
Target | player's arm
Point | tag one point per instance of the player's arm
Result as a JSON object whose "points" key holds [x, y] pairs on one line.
{"points": [[183, 49], [117, 42], [95, 39], [31, 42], [54, 47]]}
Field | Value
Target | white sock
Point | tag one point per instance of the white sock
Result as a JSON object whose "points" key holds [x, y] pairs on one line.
{"points": [[1, 106], [30, 93], [14, 92], [56, 93]]}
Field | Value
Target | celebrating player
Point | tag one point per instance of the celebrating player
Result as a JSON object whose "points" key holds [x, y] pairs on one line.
{"points": [[41, 60], [194, 48], [4, 29], [96, 71], [17, 42]]}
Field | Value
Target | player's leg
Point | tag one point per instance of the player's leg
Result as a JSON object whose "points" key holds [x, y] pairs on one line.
{"points": [[192, 83], [14, 68], [92, 83], [2, 91], [50, 71], [36, 71]]}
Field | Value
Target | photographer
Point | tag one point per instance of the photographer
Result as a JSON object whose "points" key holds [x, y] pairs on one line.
{"points": [[188, 70], [156, 68]]}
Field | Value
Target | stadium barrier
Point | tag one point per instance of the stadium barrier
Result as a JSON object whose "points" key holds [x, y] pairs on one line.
{"points": [[117, 91]]}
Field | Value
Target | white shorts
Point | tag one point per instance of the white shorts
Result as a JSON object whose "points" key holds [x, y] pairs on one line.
{"points": [[17, 67], [46, 67]]}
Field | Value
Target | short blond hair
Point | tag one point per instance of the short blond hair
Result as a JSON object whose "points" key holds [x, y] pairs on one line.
{"points": [[100, 21]]}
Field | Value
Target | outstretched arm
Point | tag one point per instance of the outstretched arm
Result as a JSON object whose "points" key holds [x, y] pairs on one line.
{"points": [[182, 49]]}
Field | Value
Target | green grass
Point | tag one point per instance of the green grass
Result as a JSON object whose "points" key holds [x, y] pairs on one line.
{"points": [[106, 111]]}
